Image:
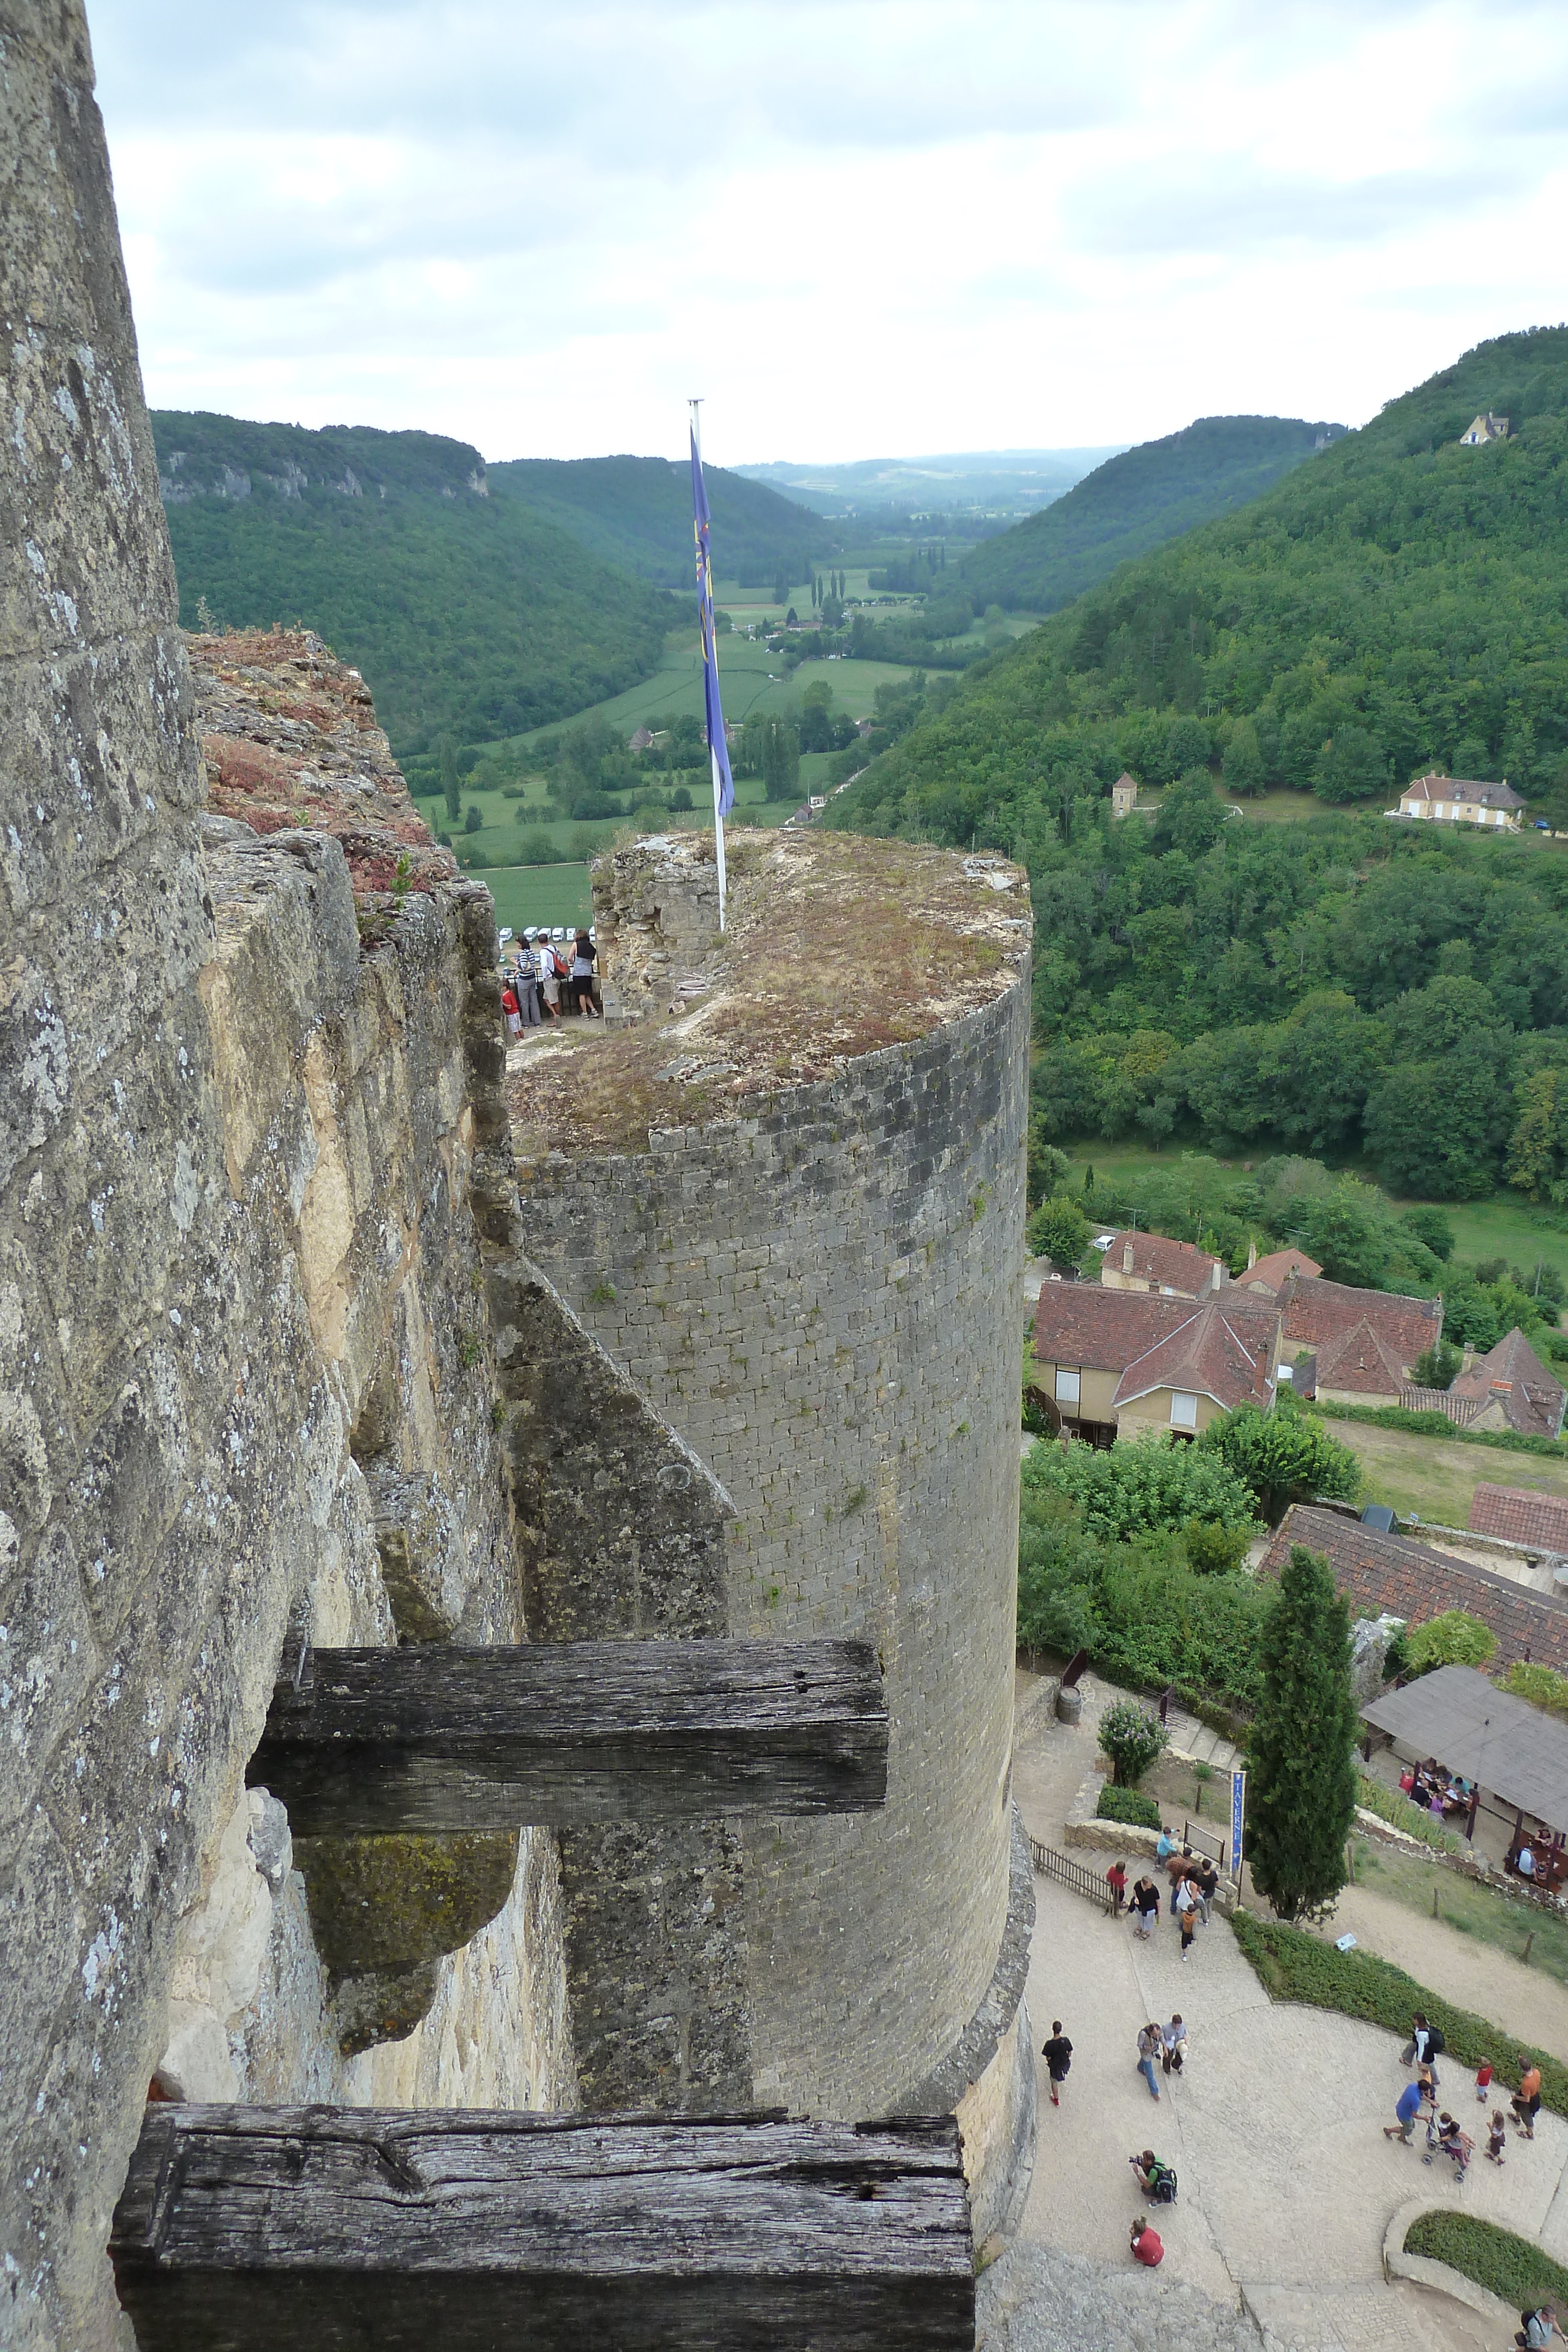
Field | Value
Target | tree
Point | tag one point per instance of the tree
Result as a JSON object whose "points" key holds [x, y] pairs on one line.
{"points": [[1432, 1229], [1454, 1639], [1301, 1788], [474, 820], [780, 760], [1284, 1457], [1058, 1231], [1242, 766], [1350, 767], [1146, 1486], [451, 788], [1434, 1368], [1132, 1737], [1191, 817]]}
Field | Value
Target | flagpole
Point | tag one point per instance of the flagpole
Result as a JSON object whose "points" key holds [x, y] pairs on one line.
{"points": [[710, 652]]}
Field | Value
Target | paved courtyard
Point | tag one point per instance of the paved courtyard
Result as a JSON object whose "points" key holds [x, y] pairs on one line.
{"points": [[1287, 2183]]}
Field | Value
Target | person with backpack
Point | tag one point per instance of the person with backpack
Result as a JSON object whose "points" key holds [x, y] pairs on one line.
{"points": [[1539, 2326], [1057, 2055], [1425, 2045], [1156, 2177]]}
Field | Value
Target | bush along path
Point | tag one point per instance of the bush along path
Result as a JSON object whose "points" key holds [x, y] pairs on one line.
{"points": [[1505, 2264], [1293, 1966]]}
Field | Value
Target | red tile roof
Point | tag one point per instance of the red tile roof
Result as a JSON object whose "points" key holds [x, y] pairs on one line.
{"points": [[1407, 1579], [1521, 1515], [1104, 1331], [1215, 1353], [1511, 1375], [1364, 1340], [1178, 1266], [1271, 1273]]}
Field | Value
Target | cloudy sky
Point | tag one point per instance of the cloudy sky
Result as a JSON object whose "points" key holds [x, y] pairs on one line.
{"points": [[863, 228]]}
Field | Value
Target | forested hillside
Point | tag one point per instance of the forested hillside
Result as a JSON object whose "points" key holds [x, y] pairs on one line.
{"points": [[1134, 502], [637, 513], [468, 614], [1346, 984]]}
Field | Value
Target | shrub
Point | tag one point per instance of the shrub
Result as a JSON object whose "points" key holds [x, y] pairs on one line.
{"points": [[1127, 1805], [1538, 1684], [1454, 1639], [1514, 2268], [1132, 1737], [1060, 1231], [1285, 1456], [1294, 1966], [473, 820], [1146, 1486], [1212, 1550]]}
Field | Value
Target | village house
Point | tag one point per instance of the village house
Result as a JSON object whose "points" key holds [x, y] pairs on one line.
{"points": [[1123, 796], [1523, 1515], [1362, 1344], [1508, 1388], [1132, 1261], [1270, 1275], [1388, 1575], [1484, 429], [1118, 1362], [1458, 800]]}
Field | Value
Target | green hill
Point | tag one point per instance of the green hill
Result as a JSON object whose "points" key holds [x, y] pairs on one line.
{"points": [[1350, 985], [465, 611], [1136, 501], [637, 513]]}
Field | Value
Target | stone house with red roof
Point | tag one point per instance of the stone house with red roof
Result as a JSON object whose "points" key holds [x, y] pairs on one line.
{"points": [[1389, 1575], [1136, 1261], [1120, 1362], [1461, 799], [1270, 1274], [1365, 1343], [1525, 1515]]}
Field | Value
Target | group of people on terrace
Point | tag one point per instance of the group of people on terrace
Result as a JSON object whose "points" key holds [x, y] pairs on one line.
{"points": [[541, 968]]}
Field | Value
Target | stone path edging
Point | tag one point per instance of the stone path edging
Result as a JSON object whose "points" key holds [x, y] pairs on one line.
{"points": [[1440, 2277]]}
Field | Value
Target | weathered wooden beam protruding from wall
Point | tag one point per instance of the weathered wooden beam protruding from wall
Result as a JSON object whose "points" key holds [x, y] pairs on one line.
{"points": [[435, 1740], [242, 2229]]}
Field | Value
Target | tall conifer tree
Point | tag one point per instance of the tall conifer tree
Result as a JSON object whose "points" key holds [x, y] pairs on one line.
{"points": [[1301, 1785]]}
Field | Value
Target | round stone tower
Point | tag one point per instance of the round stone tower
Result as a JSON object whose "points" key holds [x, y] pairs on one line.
{"points": [[785, 1187]]}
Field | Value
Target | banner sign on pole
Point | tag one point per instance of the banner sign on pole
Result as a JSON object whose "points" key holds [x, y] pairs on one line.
{"points": [[1237, 1814]]}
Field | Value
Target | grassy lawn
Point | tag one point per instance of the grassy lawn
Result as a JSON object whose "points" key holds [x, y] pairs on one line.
{"points": [[1435, 1480], [1504, 1226], [1506, 2265], [1479, 1911], [526, 896]]}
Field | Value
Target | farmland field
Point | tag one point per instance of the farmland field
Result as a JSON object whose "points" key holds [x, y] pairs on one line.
{"points": [[1434, 1480]]}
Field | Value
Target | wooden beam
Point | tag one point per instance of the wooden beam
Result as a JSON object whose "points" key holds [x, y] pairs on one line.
{"points": [[433, 1738], [251, 2229]]}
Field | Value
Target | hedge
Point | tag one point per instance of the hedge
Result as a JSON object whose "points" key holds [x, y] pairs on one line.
{"points": [[1437, 1425], [1294, 1966], [1127, 1805], [1505, 2266]]}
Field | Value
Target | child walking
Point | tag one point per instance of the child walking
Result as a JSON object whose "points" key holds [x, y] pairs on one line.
{"points": [[1497, 2140], [1483, 2080]]}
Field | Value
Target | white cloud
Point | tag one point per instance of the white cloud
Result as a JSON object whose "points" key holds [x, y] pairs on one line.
{"points": [[869, 227]]}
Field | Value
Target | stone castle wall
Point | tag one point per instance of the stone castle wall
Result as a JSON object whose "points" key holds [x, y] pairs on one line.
{"points": [[824, 1297]]}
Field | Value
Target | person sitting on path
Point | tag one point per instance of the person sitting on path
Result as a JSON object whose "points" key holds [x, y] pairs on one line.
{"points": [[1173, 2038], [1527, 2100], [1146, 2245], [1146, 1907], [1116, 1880], [1058, 2056], [1151, 2045], [1407, 2108]]}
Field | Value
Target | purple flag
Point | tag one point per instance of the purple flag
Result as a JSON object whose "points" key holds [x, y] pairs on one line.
{"points": [[714, 708]]}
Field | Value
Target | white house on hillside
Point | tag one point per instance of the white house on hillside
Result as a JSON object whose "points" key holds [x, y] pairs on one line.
{"points": [[1485, 428], [1456, 800]]}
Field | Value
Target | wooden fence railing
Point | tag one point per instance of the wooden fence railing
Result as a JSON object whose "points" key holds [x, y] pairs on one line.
{"points": [[1089, 1882]]}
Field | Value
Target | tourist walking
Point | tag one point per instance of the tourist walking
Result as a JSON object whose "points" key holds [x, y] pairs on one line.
{"points": [[1057, 2055], [1539, 2327], [1116, 1880], [1184, 1903], [549, 971], [1146, 1907], [1497, 2138], [527, 985], [1483, 2080], [1207, 1882], [1151, 2045], [1407, 2107], [510, 1008], [1425, 2045], [1173, 2045], [1527, 2100]]}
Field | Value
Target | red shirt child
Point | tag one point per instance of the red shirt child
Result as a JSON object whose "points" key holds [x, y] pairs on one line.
{"points": [[1145, 2243], [1483, 2080]]}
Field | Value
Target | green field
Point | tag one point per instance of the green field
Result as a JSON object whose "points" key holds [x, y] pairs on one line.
{"points": [[1429, 1478], [1489, 1916], [526, 896], [1504, 1226]]}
